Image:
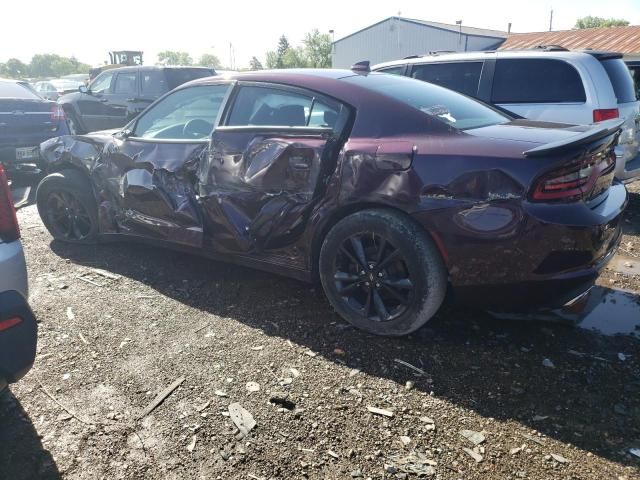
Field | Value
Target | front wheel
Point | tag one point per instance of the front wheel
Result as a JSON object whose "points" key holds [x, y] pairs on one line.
{"points": [[382, 273], [68, 207]]}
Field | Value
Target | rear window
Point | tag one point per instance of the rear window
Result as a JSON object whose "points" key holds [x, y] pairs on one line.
{"points": [[178, 76], [462, 77], [536, 80], [621, 80], [450, 107], [16, 90]]}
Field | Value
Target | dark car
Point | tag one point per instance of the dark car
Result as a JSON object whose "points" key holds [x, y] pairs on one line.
{"points": [[116, 96], [26, 120], [386, 188], [18, 330]]}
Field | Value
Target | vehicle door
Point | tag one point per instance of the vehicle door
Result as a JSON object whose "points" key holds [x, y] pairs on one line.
{"points": [[93, 106], [462, 76], [153, 84], [122, 98], [267, 166], [541, 89], [150, 168]]}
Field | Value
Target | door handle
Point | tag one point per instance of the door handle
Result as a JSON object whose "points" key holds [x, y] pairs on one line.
{"points": [[103, 99], [132, 99], [299, 163]]}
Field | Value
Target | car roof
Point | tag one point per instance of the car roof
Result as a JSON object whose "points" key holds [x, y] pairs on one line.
{"points": [[154, 67], [547, 52]]}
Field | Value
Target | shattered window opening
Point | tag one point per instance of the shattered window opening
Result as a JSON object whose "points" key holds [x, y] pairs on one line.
{"points": [[187, 114]]}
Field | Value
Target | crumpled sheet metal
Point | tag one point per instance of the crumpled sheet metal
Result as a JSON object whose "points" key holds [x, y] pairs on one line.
{"points": [[258, 198], [143, 188]]}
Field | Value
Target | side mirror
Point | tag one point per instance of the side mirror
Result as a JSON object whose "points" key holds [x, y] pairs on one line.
{"points": [[83, 89]]}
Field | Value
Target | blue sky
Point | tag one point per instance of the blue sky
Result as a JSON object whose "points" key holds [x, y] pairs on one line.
{"points": [[89, 30]]}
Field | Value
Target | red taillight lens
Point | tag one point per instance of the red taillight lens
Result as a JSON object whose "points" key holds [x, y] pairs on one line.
{"points": [[9, 230], [605, 114], [9, 323], [570, 183], [57, 113]]}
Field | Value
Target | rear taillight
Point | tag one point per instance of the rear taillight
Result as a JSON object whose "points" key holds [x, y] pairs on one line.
{"points": [[571, 182], [603, 114], [9, 230], [57, 113], [9, 323]]}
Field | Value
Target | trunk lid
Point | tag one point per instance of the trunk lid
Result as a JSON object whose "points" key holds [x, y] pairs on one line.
{"points": [[19, 117]]}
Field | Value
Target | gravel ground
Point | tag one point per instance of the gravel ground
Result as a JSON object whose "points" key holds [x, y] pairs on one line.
{"points": [[545, 400]]}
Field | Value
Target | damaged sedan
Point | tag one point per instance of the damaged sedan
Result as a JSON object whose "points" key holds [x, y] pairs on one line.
{"points": [[389, 190]]}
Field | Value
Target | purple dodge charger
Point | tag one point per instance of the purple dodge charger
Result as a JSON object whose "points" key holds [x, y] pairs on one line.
{"points": [[388, 190]]}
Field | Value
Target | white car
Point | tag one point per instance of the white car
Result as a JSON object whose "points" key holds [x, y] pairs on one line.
{"points": [[18, 328], [552, 83]]}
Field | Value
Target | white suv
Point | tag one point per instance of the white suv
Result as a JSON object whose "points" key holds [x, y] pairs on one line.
{"points": [[551, 83]]}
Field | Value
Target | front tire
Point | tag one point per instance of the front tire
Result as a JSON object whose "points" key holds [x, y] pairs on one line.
{"points": [[382, 273], [68, 207]]}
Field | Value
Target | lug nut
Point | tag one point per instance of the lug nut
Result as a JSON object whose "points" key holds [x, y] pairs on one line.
{"points": [[380, 274]]}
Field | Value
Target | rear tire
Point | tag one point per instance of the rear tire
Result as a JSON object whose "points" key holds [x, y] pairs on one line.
{"points": [[67, 207], [382, 273]]}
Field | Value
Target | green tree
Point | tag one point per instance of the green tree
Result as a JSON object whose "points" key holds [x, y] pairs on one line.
{"points": [[597, 22], [209, 60], [52, 65], [295, 58], [169, 57], [254, 64], [14, 68], [317, 49], [275, 59], [272, 60]]}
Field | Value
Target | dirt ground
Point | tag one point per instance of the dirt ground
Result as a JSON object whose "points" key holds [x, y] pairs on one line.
{"points": [[547, 401]]}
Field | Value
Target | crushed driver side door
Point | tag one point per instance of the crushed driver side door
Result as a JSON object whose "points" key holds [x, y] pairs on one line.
{"points": [[152, 170], [267, 166]]}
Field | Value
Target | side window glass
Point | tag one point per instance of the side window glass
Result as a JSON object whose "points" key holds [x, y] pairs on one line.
{"points": [[397, 70], [323, 115], [536, 80], [187, 114], [102, 83], [462, 77], [126, 83], [264, 106], [153, 83]]}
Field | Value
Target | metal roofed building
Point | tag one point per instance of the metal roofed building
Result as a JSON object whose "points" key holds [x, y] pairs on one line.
{"points": [[399, 37], [625, 40]]}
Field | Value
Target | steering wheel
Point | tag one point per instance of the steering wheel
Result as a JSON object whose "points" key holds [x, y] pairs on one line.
{"points": [[196, 128]]}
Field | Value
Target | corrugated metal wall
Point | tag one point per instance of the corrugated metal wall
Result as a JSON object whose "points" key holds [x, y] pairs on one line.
{"points": [[394, 39]]}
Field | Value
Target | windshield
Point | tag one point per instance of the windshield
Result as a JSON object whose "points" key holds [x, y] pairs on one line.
{"points": [[454, 109]]}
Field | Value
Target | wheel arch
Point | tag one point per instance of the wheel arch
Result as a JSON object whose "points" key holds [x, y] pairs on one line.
{"points": [[344, 211]]}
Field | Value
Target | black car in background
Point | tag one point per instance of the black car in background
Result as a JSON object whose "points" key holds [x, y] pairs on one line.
{"points": [[26, 120], [116, 96]]}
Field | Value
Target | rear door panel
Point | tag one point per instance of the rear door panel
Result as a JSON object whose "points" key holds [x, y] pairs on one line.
{"points": [[258, 186]]}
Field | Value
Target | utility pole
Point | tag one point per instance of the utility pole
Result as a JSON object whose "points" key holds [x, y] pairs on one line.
{"points": [[551, 20]]}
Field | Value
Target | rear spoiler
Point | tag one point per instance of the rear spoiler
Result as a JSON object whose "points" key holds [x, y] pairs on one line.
{"points": [[597, 132]]}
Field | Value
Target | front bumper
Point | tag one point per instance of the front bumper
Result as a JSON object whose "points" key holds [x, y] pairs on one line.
{"points": [[17, 340]]}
